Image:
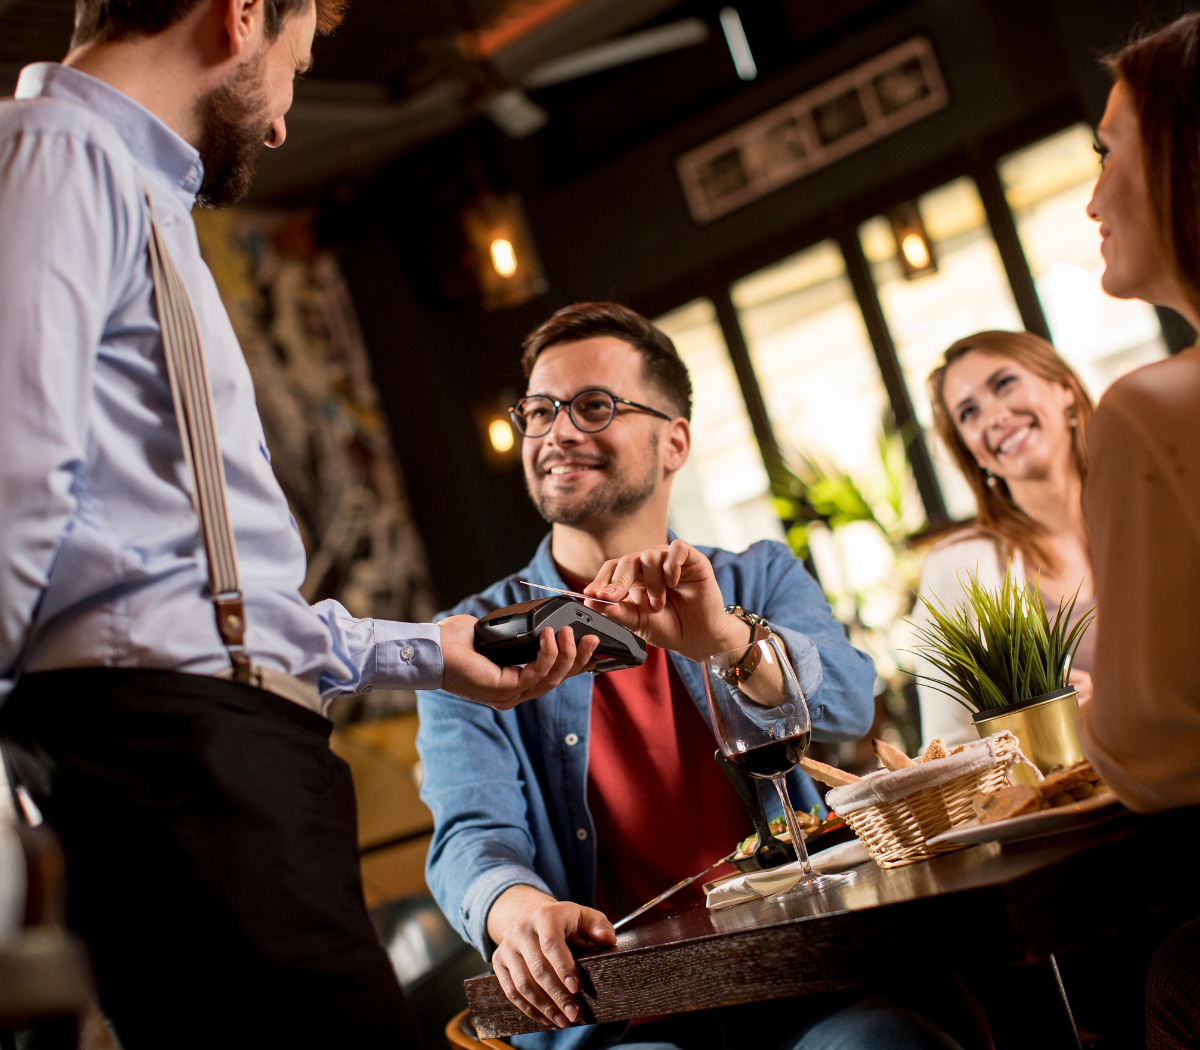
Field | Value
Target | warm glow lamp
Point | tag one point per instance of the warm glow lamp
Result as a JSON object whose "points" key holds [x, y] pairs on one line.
{"points": [[506, 262], [915, 251], [500, 434], [504, 259], [913, 246]]}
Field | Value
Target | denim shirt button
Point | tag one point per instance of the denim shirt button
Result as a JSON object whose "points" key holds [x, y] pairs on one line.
{"points": [[571, 739], [407, 652], [581, 834]]}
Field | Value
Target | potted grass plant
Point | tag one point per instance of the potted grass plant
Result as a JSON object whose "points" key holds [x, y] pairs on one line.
{"points": [[1001, 656]]}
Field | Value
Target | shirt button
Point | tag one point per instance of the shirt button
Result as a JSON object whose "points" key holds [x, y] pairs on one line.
{"points": [[581, 834], [572, 740], [407, 652]]}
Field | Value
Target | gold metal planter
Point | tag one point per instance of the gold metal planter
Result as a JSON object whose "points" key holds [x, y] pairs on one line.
{"points": [[1045, 726]]}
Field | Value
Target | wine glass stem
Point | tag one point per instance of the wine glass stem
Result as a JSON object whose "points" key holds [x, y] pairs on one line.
{"points": [[793, 825]]}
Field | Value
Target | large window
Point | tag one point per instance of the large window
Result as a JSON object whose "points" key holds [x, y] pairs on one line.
{"points": [[1048, 186], [968, 293], [812, 357], [721, 496], [814, 361]]}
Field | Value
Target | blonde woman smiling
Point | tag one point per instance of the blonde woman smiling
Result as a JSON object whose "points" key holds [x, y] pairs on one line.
{"points": [[1012, 414]]}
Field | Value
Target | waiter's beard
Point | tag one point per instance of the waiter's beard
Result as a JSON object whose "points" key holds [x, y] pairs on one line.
{"points": [[619, 494], [233, 127]]}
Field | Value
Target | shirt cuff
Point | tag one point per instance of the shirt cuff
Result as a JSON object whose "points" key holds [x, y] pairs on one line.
{"points": [[806, 660], [407, 655], [482, 894]]}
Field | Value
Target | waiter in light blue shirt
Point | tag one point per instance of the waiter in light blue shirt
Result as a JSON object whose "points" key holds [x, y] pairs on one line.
{"points": [[209, 832]]}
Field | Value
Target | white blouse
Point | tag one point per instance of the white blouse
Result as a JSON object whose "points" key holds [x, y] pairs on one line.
{"points": [[947, 567]]}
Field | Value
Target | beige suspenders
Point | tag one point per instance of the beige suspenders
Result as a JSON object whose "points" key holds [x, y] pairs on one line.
{"points": [[192, 394]]}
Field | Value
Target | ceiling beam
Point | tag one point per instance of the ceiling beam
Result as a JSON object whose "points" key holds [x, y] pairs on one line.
{"points": [[579, 26]]}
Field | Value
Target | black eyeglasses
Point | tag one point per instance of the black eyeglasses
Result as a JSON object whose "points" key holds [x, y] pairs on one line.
{"points": [[590, 410]]}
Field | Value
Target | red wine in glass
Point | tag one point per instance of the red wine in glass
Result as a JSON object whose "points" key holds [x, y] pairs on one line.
{"points": [[774, 759], [762, 724]]}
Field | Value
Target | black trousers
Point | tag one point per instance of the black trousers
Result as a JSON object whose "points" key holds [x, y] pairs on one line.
{"points": [[212, 862]]}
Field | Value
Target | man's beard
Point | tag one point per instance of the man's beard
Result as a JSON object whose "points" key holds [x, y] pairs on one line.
{"points": [[616, 495], [233, 127]]}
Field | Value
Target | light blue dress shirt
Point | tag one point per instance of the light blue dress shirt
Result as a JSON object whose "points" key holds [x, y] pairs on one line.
{"points": [[101, 562]]}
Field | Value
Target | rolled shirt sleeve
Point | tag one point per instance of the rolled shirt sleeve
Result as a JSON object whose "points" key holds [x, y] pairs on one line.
{"points": [[475, 776]]}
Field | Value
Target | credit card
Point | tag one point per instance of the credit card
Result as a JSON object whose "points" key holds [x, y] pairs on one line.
{"points": [[569, 594]]}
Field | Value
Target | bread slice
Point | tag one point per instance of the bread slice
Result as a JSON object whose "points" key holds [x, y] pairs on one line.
{"points": [[892, 757], [1064, 780], [1007, 802], [935, 750], [829, 775]]}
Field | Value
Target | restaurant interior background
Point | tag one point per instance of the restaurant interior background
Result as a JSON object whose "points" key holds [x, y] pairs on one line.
{"points": [[814, 200]]}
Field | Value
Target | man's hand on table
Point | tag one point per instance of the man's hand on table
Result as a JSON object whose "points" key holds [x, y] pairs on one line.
{"points": [[533, 962], [473, 676], [669, 597]]}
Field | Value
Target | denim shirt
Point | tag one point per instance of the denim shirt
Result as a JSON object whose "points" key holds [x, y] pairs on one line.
{"points": [[508, 789]]}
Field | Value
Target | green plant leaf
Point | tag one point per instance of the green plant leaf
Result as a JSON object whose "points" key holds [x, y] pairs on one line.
{"points": [[998, 647]]}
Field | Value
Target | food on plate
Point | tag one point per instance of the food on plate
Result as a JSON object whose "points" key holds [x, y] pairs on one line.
{"points": [[810, 827], [1007, 802], [1061, 788], [891, 757], [831, 776], [1072, 778], [936, 749]]}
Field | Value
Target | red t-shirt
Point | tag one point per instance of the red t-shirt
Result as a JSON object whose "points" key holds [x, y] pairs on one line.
{"points": [[663, 809]]}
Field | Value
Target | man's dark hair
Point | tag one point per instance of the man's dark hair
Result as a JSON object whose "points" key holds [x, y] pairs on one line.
{"points": [[661, 363], [102, 21]]}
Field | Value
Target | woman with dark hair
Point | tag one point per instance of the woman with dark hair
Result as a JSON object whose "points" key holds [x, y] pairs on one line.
{"points": [[1012, 413], [1143, 499], [1142, 729]]}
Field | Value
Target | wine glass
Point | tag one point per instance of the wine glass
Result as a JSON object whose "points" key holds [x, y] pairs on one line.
{"points": [[762, 724]]}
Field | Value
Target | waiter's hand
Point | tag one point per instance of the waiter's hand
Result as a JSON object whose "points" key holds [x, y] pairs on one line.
{"points": [[533, 962], [669, 597], [468, 674]]}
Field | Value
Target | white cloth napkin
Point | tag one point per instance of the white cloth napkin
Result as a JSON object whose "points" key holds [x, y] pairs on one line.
{"points": [[885, 785], [764, 883]]}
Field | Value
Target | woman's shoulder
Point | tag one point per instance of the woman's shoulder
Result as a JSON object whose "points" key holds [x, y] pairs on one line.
{"points": [[967, 544], [1159, 394], [971, 550]]}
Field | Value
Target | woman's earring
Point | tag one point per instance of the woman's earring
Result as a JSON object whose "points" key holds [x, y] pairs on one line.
{"points": [[1072, 419], [991, 478]]}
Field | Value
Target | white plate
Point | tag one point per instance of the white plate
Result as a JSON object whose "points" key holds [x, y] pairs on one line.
{"points": [[1033, 825]]}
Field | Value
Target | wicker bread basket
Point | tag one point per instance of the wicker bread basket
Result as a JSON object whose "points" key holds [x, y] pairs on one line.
{"points": [[896, 830]]}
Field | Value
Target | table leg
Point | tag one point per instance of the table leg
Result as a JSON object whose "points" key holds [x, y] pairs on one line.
{"points": [[1027, 1008]]}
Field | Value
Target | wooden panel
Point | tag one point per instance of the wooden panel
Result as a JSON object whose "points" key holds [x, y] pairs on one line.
{"points": [[390, 874], [388, 804], [395, 736]]}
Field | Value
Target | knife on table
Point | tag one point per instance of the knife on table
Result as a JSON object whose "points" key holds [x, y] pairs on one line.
{"points": [[669, 893]]}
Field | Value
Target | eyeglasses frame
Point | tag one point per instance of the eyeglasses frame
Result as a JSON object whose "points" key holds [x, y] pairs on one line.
{"points": [[558, 405]]}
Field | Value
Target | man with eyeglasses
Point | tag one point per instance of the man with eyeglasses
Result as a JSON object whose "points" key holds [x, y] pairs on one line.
{"points": [[557, 817]]}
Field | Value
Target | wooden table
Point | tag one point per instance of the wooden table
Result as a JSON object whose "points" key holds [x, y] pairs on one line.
{"points": [[984, 906]]}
